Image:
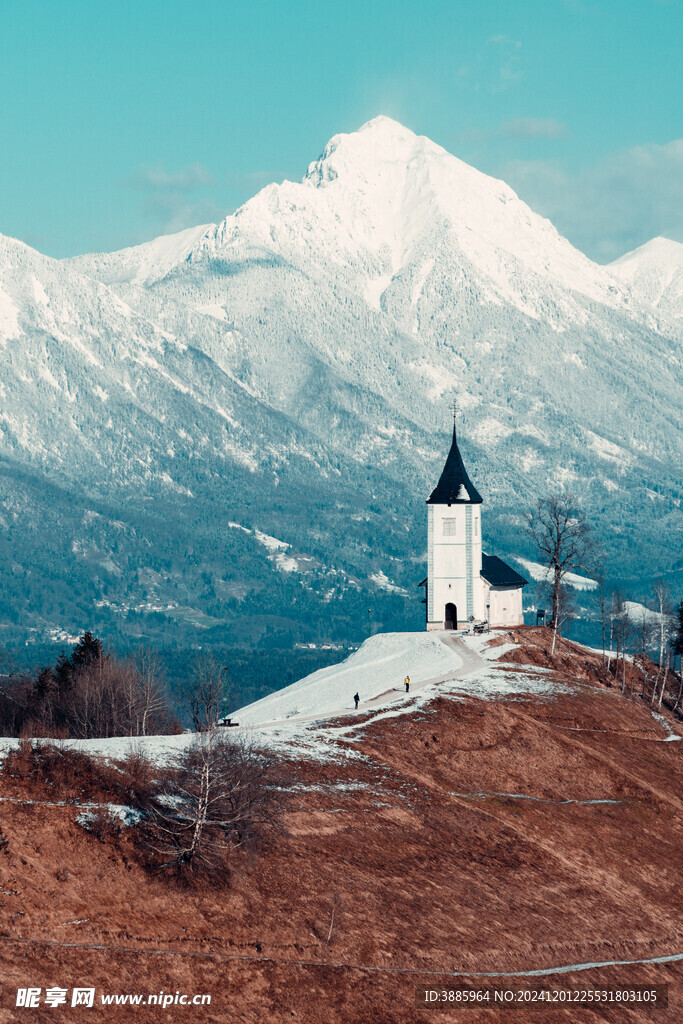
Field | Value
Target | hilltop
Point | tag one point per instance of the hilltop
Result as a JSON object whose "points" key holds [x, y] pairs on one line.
{"points": [[510, 816]]}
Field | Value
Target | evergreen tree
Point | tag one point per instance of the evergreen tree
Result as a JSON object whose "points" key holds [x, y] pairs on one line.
{"points": [[41, 698], [62, 672], [87, 650]]}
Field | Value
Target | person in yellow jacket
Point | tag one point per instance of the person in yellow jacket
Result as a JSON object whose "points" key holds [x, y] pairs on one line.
{"points": [[407, 683]]}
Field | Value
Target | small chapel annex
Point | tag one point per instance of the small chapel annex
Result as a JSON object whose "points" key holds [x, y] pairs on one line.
{"points": [[463, 583]]}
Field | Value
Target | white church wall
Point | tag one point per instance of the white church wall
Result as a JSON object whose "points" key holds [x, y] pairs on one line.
{"points": [[506, 606], [454, 563]]}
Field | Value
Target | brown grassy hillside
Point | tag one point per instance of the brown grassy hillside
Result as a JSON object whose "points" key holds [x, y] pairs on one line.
{"points": [[398, 867]]}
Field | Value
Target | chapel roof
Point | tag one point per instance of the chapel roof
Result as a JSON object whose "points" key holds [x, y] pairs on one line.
{"points": [[498, 573]]}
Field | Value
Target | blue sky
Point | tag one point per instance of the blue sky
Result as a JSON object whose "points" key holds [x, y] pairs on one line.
{"points": [[122, 119]]}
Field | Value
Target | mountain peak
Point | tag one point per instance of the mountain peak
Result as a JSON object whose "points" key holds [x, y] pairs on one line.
{"points": [[656, 248], [383, 129], [654, 271], [384, 123], [381, 199], [379, 142]]}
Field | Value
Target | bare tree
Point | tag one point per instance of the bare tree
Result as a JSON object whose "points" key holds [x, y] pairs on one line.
{"points": [[110, 697], [664, 634], [206, 694], [222, 798], [153, 703], [602, 599], [644, 636], [626, 632], [563, 537], [566, 610], [614, 610]]}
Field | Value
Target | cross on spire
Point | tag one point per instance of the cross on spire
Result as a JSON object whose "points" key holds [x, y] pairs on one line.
{"points": [[454, 486]]}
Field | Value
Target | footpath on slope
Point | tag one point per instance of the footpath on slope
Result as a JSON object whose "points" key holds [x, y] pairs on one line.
{"points": [[375, 671], [470, 661]]}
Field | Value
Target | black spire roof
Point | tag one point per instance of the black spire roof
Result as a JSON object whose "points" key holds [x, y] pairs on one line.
{"points": [[454, 486]]}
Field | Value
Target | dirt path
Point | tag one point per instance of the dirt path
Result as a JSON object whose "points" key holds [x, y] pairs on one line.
{"points": [[297, 962], [471, 661]]}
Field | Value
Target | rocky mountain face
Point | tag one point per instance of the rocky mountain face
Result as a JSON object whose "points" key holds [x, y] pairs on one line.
{"points": [[242, 421]]}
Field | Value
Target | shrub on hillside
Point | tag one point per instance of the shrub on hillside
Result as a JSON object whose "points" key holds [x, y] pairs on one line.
{"points": [[140, 780], [104, 825], [60, 772], [220, 799]]}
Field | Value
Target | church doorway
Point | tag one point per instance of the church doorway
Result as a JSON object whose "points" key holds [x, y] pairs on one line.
{"points": [[451, 616]]}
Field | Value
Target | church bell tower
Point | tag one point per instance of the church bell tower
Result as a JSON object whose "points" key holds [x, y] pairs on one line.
{"points": [[454, 590]]}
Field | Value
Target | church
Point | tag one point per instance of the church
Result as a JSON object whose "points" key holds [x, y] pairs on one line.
{"points": [[463, 583]]}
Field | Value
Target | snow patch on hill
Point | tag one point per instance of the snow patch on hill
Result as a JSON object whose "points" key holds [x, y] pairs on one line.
{"points": [[640, 613], [380, 664], [384, 583], [542, 574]]}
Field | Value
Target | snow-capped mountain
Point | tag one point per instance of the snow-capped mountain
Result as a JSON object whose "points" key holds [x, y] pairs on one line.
{"points": [[655, 273], [290, 370]]}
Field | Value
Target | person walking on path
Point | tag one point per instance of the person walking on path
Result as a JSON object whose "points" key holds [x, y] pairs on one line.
{"points": [[356, 697], [407, 683]]}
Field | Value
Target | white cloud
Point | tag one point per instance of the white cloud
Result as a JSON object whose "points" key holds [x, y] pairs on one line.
{"points": [[509, 70], [532, 128], [184, 180], [495, 67], [173, 200], [617, 204], [519, 128]]}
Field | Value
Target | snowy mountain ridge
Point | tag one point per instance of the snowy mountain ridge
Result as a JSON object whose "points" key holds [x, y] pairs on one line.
{"points": [[146, 263], [382, 189], [309, 345], [654, 271]]}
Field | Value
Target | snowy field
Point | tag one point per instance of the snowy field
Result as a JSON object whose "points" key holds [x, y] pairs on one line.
{"points": [[378, 667], [298, 719]]}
